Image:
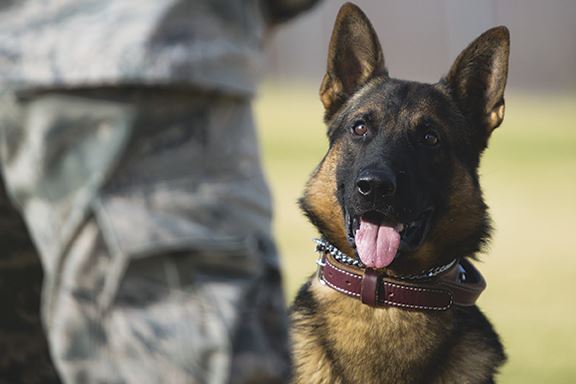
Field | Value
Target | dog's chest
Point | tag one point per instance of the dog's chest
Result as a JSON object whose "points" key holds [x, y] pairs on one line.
{"points": [[368, 344]]}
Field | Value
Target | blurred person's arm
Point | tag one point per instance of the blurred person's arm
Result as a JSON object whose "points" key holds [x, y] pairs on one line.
{"points": [[279, 11]]}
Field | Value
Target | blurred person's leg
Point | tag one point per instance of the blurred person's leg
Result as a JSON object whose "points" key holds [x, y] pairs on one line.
{"points": [[24, 356], [152, 218]]}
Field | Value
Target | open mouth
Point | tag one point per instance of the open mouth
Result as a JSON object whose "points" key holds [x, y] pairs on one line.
{"points": [[378, 240]]}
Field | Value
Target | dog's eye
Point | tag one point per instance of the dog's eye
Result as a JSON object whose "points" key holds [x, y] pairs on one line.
{"points": [[430, 139], [360, 128]]}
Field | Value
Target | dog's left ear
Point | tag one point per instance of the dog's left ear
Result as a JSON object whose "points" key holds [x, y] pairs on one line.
{"points": [[478, 77], [354, 57]]}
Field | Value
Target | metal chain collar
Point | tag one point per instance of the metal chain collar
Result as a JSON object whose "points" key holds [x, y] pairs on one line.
{"points": [[324, 246]]}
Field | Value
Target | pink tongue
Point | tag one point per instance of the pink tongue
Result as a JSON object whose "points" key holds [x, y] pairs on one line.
{"points": [[376, 244]]}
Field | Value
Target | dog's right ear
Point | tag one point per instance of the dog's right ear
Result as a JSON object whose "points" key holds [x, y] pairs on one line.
{"points": [[354, 57]]}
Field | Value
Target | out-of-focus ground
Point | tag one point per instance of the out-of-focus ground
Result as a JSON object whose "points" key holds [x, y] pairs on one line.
{"points": [[529, 178]]}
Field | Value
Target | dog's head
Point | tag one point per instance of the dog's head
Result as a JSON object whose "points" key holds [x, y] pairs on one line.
{"points": [[399, 184]]}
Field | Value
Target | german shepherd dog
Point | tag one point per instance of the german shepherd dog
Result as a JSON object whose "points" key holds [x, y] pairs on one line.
{"points": [[400, 211]]}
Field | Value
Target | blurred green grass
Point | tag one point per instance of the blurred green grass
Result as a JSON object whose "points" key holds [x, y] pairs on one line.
{"points": [[529, 179]]}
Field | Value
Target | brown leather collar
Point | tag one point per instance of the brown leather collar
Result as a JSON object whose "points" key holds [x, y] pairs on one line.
{"points": [[460, 285]]}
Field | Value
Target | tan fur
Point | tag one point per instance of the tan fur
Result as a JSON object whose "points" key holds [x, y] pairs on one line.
{"points": [[462, 215], [330, 91], [321, 197], [459, 220], [405, 341], [496, 117]]}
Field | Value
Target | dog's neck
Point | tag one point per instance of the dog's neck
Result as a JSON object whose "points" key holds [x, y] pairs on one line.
{"points": [[324, 246], [438, 289]]}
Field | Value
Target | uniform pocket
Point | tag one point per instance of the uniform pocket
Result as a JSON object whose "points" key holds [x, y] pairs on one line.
{"points": [[165, 219], [57, 160]]}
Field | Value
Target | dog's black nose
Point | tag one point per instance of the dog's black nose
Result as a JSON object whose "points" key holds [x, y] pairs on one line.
{"points": [[376, 183]]}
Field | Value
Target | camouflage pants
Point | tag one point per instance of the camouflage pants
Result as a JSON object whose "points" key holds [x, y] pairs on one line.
{"points": [[152, 221]]}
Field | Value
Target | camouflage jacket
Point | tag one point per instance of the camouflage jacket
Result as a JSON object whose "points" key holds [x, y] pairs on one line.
{"points": [[211, 44]]}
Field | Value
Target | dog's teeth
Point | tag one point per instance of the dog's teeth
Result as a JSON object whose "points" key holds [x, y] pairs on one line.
{"points": [[399, 228]]}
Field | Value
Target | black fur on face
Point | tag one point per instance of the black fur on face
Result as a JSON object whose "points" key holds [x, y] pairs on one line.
{"points": [[414, 133], [406, 154]]}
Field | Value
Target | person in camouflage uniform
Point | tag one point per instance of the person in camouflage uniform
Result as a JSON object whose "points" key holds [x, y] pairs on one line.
{"points": [[128, 146]]}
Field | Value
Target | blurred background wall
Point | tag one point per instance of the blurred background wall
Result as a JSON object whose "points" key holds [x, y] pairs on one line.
{"points": [[420, 38]]}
